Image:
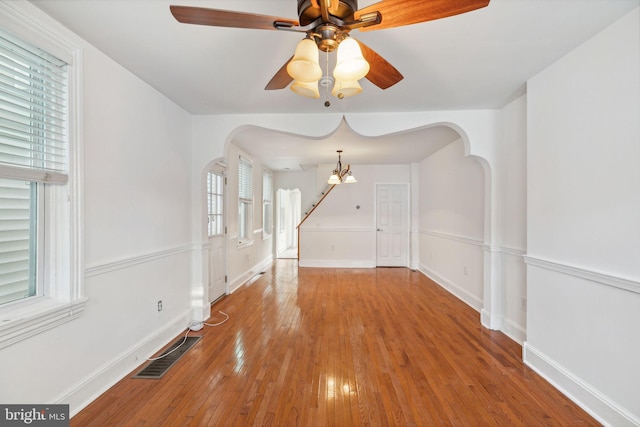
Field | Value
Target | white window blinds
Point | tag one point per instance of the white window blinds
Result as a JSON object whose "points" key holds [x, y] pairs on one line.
{"points": [[33, 113], [245, 184], [16, 226]]}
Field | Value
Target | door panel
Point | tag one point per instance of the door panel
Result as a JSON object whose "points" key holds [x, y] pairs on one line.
{"points": [[216, 253], [392, 225], [216, 268]]}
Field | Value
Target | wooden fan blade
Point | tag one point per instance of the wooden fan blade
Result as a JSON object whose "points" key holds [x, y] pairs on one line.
{"points": [[281, 79], [381, 73], [225, 18], [397, 13]]}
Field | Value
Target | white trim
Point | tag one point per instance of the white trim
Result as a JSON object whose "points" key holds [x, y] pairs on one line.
{"points": [[505, 250], [462, 294], [100, 380], [336, 263], [454, 237], [513, 330], [490, 320], [594, 276], [37, 317], [120, 264], [27, 26], [243, 278], [338, 229], [601, 407]]}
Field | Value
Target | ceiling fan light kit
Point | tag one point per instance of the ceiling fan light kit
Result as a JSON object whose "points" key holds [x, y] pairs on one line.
{"points": [[307, 89], [350, 65], [327, 24], [343, 89], [305, 67]]}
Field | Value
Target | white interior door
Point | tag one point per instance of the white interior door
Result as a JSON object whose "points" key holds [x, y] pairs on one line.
{"points": [[392, 225], [216, 253]]}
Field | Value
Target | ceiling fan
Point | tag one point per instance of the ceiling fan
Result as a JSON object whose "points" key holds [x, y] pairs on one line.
{"points": [[328, 23]]}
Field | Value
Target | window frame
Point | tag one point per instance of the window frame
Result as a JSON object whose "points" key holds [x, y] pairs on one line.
{"points": [[62, 268]]}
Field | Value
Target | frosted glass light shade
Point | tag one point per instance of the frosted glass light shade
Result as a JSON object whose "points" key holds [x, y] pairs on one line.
{"points": [[333, 179], [308, 89], [350, 179], [346, 89], [351, 65], [304, 66]]}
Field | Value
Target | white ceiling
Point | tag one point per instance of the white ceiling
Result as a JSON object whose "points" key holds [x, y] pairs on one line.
{"points": [[477, 60]]}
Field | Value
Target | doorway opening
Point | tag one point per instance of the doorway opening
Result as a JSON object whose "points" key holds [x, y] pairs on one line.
{"points": [[288, 202]]}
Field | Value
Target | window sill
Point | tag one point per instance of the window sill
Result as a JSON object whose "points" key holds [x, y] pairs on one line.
{"points": [[245, 243], [36, 317]]}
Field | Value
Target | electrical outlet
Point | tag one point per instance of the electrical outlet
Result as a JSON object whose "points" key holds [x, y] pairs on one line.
{"points": [[466, 272], [524, 303], [160, 305]]}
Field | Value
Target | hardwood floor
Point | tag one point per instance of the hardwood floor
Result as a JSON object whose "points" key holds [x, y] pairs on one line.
{"points": [[341, 347]]}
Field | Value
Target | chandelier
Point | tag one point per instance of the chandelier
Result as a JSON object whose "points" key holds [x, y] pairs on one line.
{"points": [[304, 67], [339, 175]]}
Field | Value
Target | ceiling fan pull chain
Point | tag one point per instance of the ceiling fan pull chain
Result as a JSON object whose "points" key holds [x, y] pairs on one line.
{"points": [[327, 103]]}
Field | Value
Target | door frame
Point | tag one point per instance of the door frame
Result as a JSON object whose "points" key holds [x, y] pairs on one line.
{"points": [[407, 231]]}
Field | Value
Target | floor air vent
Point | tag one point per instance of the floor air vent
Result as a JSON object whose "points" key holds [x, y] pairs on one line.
{"points": [[157, 368]]}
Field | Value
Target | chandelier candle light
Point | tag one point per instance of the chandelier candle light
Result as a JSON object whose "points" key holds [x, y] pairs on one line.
{"points": [[339, 175]]}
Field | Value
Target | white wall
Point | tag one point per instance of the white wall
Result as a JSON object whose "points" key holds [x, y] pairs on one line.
{"points": [[451, 211], [136, 239], [341, 231], [511, 174], [247, 260], [583, 220]]}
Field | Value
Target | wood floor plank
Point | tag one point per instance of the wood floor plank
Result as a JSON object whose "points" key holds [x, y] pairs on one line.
{"points": [[341, 347]]}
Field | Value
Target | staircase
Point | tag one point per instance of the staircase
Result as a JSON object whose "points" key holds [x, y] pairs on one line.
{"points": [[312, 208]]}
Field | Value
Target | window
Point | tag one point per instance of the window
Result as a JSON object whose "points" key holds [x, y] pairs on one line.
{"points": [[40, 271], [267, 204], [245, 200], [215, 188], [18, 240]]}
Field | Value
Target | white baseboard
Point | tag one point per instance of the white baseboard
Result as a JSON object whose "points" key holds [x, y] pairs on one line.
{"points": [[244, 277], [599, 406], [86, 391], [336, 263], [490, 321], [462, 294], [513, 330]]}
